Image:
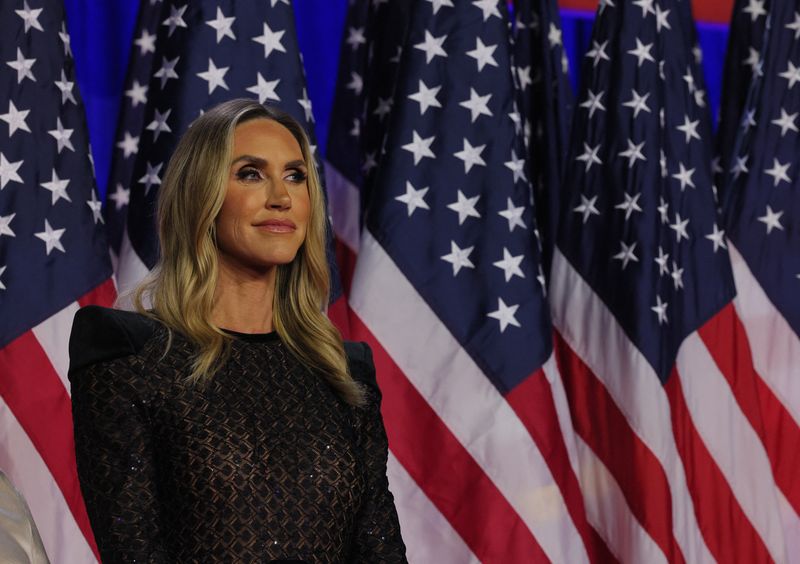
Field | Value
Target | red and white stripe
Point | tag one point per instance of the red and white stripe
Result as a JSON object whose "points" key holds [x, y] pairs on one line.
{"points": [[36, 447], [682, 468]]}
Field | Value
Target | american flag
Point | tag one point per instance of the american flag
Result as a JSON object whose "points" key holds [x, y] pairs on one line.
{"points": [[449, 293], [762, 208], [53, 259], [675, 459]]}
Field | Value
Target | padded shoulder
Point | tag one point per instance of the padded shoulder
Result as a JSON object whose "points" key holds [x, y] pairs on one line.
{"points": [[100, 333], [359, 359]]}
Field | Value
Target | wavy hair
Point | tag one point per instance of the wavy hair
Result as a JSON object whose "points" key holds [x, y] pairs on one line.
{"points": [[181, 287]]}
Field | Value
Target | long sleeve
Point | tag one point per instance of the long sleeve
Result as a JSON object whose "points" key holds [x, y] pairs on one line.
{"points": [[377, 537]]}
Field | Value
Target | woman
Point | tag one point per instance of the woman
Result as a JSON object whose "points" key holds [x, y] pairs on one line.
{"points": [[229, 422]]}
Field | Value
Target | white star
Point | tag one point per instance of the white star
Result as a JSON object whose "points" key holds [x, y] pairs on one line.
{"points": [[305, 103], [513, 215], [384, 107], [483, 54], [642, 52], [175, 19], [23, 67], [121, 197], [57, 187], [792, 74], [593, 102], [355, 37], [214, 76], [399, 53], [65, 39], [420, 147], [626, 254], [470, 155], [554, 35], [589, 155], [146, 42], [630, 205], [772, 220], [689, 128], [15, 119], [677, 275], [688, 78], [414, 198], [465, 207], [598, 52], [684, 176], [8, 171], [129, 145], [488, 7], [222, 25], [355, 131], [679, 227], [137, 93], [755, 8], [795, 25], [66, 89], [369, 162], [271, 40], [524, 76], [30, 17], [587, 208], [51, 237], [740, 166], [151, 177], [510, 265], [661, 310], [62, 136], [786, 122], [426, 97], [167, 70], [646, 6], [517, 166], [96, 206], [2, 270], [477, 105], [459, 258], [753, 59], [749, 119], [661, 261], [439, 3], [633, 153], [662, 162], [159, 123], [661, 19], [505, 315], [272, 3], [778, 172], [432, 46], [717, 237], [638, 103], [265, 89], [5, 225], [663, 210]]}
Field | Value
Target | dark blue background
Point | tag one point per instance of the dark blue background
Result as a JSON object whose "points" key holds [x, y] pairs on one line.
{"points": [[102, 33]]}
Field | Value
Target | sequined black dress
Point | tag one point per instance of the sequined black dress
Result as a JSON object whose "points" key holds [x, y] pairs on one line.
{"points": [[265, 463]]}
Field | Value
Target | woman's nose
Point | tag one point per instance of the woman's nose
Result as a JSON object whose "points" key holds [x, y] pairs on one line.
{"points": [[278, 197]]}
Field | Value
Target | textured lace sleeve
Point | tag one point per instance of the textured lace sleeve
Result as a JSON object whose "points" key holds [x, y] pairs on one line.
{"points": [[115, 462], [378, 529]]}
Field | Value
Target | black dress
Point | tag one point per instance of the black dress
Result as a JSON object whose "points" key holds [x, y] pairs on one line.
{"points": [[264, 463]]}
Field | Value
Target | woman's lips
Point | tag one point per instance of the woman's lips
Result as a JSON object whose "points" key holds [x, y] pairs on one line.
{"points": [[277, 226]]}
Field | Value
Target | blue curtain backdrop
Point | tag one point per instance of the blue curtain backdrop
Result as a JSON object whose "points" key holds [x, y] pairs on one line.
{"points": [[102, 32]]}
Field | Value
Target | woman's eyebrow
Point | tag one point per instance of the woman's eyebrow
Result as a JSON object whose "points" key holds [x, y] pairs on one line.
{"points": [[299, 163], [250, 159]]}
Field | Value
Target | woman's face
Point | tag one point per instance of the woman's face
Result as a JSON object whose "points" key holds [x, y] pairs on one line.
{"points": [[265, 213]]}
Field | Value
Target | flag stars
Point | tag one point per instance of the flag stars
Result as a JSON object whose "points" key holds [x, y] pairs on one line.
{"points": [[598, 52], [356, 83], [633, 153], [265, 89], [779, 172], [488, 7], [175, 19], [459, 258], [514, 216], [661, 19], [96, 206], [642, 52], [129, 144], [646, 6], [637, 102], [786, 122], [8, 171], [65, 40], [477, 105], [214, 76], [483, 54], [587, 208], [23, 67], [594, 102], [437, 4], [159, 123], [663, 210], [717, 236], [661, 261], [629, 205], [517, 166], [626, 254], [65, 86], [420, 147], [151, 177], [384, 107], [137, 93], [510, 265], [680, 228], [755, 8], [432, 46], [426, 97], [15, 119], [222, 25], [2, 270], [589, 156], [554, 35], [684, 176], [57, 188], [660, 310], [121, 197], [795, 26], [30, 17], [51, 238], [414, 199], [771, 219], [689, 128], [505, 314], [271, 40], [62, 136], [465, 207], [470, 155], [146, 42], [305, 103], [677, 276], [167, 70], [5, 225], [355, 37], [792, 74], [524, 76]]}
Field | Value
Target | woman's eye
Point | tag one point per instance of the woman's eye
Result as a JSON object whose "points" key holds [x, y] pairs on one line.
{"points": [[248, 174], [297, 176]]}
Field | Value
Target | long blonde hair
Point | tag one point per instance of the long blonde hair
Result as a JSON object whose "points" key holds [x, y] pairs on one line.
{"points": [[181, 287]]}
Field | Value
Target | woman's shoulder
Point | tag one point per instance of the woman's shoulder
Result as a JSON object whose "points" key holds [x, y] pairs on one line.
{"points": [[102, 334], [359, 359]]}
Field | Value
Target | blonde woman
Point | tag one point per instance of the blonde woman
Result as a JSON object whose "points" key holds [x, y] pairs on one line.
{"points": [[229, 422]]}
